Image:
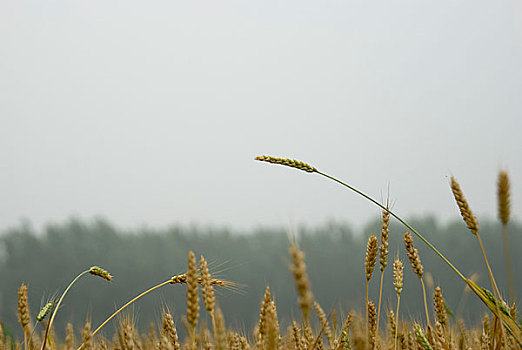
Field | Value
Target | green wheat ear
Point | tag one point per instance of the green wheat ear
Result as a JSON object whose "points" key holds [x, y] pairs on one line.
{"points": [[488, 299]]}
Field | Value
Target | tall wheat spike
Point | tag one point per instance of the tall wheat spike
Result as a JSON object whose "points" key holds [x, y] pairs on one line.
{"points": [[192, 297], [397, 283], [302, 282], [369, 264], [504, 210]]}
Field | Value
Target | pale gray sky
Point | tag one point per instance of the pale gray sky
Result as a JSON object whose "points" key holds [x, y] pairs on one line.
{"points": [[151, 112]]}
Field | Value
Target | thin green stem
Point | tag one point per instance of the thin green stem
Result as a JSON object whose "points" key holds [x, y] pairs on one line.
{"points": [[366, 307], [379, 306], [509, 270], [49, 325], [425, 302], [432, 247], [397, 321], [490, 273], [127, 304]]}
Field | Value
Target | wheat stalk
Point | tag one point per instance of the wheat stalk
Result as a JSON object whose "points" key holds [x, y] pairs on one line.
{"points": [[504, 209], [95, 271]]}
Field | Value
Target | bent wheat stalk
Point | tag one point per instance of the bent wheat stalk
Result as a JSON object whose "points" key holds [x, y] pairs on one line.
{"points": [[487, 298], [177, 279], [94, 270]]}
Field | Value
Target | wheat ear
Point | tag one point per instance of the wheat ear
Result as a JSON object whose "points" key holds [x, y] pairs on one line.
{"points": [[372, 324], [370, 260], [440, 309], [421, 338], [220, 341], [192, 297], [413, 255], [169, 330], [262, 327], [397, 283], [324, 322], [24, 315], [302, 282]]}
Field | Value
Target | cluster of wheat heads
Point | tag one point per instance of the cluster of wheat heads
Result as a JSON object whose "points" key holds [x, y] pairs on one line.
{"points": [[316, 328], [506, 330]]}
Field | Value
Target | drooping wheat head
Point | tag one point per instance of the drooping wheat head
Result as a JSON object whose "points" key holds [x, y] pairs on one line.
{"points": [[44, 311], [287, 162], [98, 271], [464, 207]]}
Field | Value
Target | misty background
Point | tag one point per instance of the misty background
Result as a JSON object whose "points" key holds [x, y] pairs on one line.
{"points": [[151, 113], [127, 123]]}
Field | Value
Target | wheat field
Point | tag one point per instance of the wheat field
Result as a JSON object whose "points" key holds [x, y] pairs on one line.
{"points": [[314, 327]]}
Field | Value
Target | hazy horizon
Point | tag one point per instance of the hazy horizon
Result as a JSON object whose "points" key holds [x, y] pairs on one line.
{"points": [[152, 113]]}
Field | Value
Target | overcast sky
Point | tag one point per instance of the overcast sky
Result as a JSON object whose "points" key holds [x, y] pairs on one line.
{"points": [[151, 112]]}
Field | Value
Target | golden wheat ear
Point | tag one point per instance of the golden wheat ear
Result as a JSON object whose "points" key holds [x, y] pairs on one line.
{"points": [[302, 282]]}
